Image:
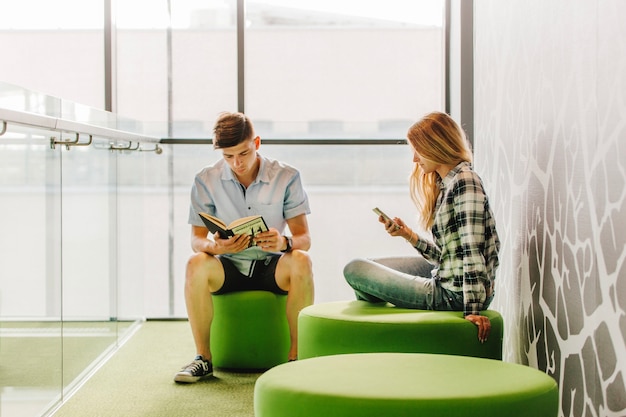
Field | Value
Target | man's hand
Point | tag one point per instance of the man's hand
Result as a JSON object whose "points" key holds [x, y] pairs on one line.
{"points": [[270, 241], [483, 323], [233, 244]]}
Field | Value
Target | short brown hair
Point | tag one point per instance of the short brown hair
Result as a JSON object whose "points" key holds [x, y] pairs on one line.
{"points": [[231, 129]]}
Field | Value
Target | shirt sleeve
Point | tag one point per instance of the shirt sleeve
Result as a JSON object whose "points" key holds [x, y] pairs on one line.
{"points": [[428, 250], [296, 200], [469, 207], [201, 200]]}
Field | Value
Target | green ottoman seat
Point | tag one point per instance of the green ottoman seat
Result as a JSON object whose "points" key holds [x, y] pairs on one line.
{"points": [[249, 330], [360, 327], [404, 384]]}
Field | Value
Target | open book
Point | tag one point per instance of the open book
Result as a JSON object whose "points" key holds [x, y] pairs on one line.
{"points": [[250, 225]]}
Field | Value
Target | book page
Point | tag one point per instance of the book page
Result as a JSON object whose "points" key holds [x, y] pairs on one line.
{"points": [[249, 226]]}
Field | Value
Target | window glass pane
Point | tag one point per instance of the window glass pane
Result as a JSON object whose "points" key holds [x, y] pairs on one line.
{"points": [[342, 68], [343, 183], [56, 48], [140, 56], [189, 77], [57, 14], [204, 71]]}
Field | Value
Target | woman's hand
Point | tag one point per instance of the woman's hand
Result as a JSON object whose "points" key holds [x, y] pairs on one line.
{"points": [[483, 323], [397, 227]]}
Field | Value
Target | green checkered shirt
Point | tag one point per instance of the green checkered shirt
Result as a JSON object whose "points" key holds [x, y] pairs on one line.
{"points": [[466, 243]]}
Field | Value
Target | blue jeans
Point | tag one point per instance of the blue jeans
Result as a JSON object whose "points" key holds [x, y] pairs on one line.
{"points": [[405, 282]]}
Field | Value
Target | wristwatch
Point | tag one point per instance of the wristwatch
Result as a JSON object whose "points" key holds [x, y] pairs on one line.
{"points": [[289, 244]]}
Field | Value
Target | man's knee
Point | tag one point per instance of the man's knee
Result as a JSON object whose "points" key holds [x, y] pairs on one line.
{"points": [[198, 259], [204, 270], [301, 261], [201, 263]]}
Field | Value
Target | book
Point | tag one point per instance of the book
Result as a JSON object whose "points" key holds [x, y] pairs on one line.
{"points": [[250, 225]]}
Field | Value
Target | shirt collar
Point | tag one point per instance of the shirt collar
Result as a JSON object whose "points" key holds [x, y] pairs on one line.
{"points": [[263, 175], [444, 182]]}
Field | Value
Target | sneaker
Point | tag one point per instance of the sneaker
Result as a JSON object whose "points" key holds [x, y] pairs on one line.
{"points": [[197, 369]]}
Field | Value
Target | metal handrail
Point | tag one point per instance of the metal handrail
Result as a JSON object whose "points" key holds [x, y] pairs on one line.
{"points": [[69, 142], [53, 123]]}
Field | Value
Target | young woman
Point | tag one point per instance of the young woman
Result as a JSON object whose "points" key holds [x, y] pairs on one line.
{"points": [[456, 270]]}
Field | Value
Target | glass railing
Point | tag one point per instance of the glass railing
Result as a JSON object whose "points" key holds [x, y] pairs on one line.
{"points": [[72, 246]]}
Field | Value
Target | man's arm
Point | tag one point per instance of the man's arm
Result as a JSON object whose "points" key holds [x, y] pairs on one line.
{"points": [[299, 228], [216, 246]]}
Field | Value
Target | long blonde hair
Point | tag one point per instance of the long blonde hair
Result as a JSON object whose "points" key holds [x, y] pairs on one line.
{"points": [[438, 138]]}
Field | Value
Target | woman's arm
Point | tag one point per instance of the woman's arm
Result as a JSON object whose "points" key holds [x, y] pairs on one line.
{"points": [[469, 208], [427, 249]]}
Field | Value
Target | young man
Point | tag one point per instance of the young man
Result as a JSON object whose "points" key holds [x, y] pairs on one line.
{"points": [[244, 183]]}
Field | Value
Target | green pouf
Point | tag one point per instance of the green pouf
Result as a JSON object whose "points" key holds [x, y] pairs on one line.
{"points": [[249, 330], [404, 384], [360, 327]]}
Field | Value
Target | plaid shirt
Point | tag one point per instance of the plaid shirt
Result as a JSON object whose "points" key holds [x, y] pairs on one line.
{"points": [[466, 245]]}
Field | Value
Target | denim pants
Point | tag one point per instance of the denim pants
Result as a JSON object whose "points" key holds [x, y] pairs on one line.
{"points": [[405, 282]]}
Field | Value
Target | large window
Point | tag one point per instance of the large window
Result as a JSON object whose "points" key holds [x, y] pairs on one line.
{"points": [[303, 70], [300, 68], [306, 69]]}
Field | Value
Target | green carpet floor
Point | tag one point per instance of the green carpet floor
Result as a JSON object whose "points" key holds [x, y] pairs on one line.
{"points": [[138, 381]]}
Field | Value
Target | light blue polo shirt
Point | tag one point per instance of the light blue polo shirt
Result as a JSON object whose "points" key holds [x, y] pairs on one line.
{"points": [[276, 194]]}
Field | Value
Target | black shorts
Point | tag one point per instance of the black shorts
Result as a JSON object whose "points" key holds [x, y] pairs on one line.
{"points": [[263, 277]]}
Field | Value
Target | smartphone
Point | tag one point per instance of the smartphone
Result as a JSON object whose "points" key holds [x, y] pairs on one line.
{"points": [[381, 213]]}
